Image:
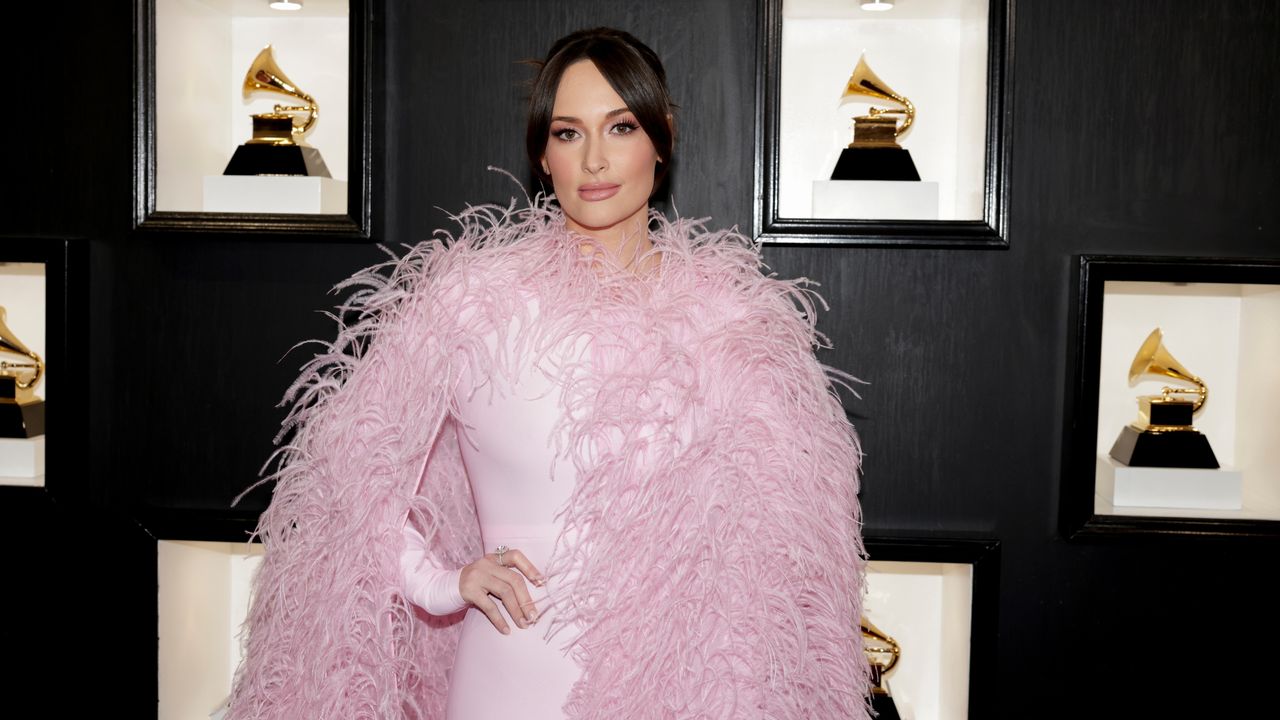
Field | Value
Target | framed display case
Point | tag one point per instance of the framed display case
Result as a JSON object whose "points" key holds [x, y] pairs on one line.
{"points": [[254, 119], [32, 327], [1144, 324], [937, 598], [203, 598], [883, 128]]}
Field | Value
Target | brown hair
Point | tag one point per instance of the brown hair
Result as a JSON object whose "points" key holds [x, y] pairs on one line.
{"points": [[632, 69]]}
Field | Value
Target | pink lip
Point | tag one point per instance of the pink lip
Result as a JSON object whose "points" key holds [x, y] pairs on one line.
{"points": [[598, 191]]}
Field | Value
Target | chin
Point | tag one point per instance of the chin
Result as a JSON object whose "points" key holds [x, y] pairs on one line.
{"points": [[602, 215]]}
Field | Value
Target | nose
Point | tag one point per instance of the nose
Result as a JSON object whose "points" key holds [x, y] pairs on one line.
{"points": [[593, 158]]}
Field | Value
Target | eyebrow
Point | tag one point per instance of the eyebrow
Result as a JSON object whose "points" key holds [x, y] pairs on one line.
{"points": [[571, 119]]}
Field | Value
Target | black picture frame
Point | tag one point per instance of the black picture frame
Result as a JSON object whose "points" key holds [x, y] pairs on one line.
{"points": [[363, 83], [65, 353], [197, 525], [983, 553], [1077, 517], [991, 232]]}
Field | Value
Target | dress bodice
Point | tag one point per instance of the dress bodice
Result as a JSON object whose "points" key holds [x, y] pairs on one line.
{"points": [[506, 427]]}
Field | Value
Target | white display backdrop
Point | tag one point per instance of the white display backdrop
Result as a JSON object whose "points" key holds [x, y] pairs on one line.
{"points": [[22, 293], [203, 50], [933, 52], [927, 608], [1229, 335], [203, 600]]}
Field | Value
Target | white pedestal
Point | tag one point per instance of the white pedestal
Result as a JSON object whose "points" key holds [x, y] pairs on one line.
{"points": [[202, 600], [272, 194], [1189, 488], [22, 461], [875, 200]]}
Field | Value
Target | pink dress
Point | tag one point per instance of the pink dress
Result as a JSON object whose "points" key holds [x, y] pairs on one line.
{"points": [[505, 430], [720, 567]]}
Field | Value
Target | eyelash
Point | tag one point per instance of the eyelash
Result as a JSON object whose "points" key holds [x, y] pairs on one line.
{"points": [[626, 126]]}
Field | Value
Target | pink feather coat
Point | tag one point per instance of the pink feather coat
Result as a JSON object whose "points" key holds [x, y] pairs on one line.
{"points": [[717, 473]]}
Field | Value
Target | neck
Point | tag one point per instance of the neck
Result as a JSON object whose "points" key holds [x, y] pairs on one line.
{"points": [[625, 242]]}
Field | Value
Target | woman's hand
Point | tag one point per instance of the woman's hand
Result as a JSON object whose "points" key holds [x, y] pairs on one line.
{"points": [[487, 578]]}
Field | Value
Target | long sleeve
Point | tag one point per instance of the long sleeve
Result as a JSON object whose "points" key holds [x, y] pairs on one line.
{"points": [[426, 584]]}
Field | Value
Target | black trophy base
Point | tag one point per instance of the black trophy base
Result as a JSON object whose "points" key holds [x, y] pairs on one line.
{"points": [[21, 420], [1178, 449], [875, 163], [264, 159], [884, 707]]}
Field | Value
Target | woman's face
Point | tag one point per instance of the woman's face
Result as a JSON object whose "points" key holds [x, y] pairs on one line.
{"points": [[600, 160]]}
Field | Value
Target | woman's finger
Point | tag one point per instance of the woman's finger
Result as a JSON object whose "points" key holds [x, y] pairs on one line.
{"points": [[514, 558], [508, 587], [523, 599], [490, 609], [517, 560]]}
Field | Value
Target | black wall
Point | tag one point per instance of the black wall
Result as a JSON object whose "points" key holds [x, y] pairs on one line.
{"points": [[1138, 128]]}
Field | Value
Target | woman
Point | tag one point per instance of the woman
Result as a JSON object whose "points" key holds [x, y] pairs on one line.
{"points": [[620, 408]]}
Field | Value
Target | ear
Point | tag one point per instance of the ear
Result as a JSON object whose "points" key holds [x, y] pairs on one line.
{"points": [[671, 123], [546, 169]]}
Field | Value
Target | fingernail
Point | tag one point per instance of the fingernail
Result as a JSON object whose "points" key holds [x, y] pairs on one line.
{"points": [[533, 616], [539, 581], [506, 630]]}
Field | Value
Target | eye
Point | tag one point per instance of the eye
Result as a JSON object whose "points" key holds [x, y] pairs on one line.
{"points": [[564, 134], [626, 127]]}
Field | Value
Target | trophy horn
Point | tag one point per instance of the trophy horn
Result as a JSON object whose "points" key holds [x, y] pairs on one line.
{"points": [[265, 75], [865, 83], [1154, 361], [876, 645], [11, 344]]}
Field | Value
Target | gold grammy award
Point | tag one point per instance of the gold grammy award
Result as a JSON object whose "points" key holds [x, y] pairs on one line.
{"points": [[21, 412], [875, 153], [278, 145], [882, 653], [1163, 435]]}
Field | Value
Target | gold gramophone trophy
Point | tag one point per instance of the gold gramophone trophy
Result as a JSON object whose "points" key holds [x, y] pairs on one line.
{"points": [[278, 145], [1163, 435], [21, 412], [882, 652], [874, 153]]}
